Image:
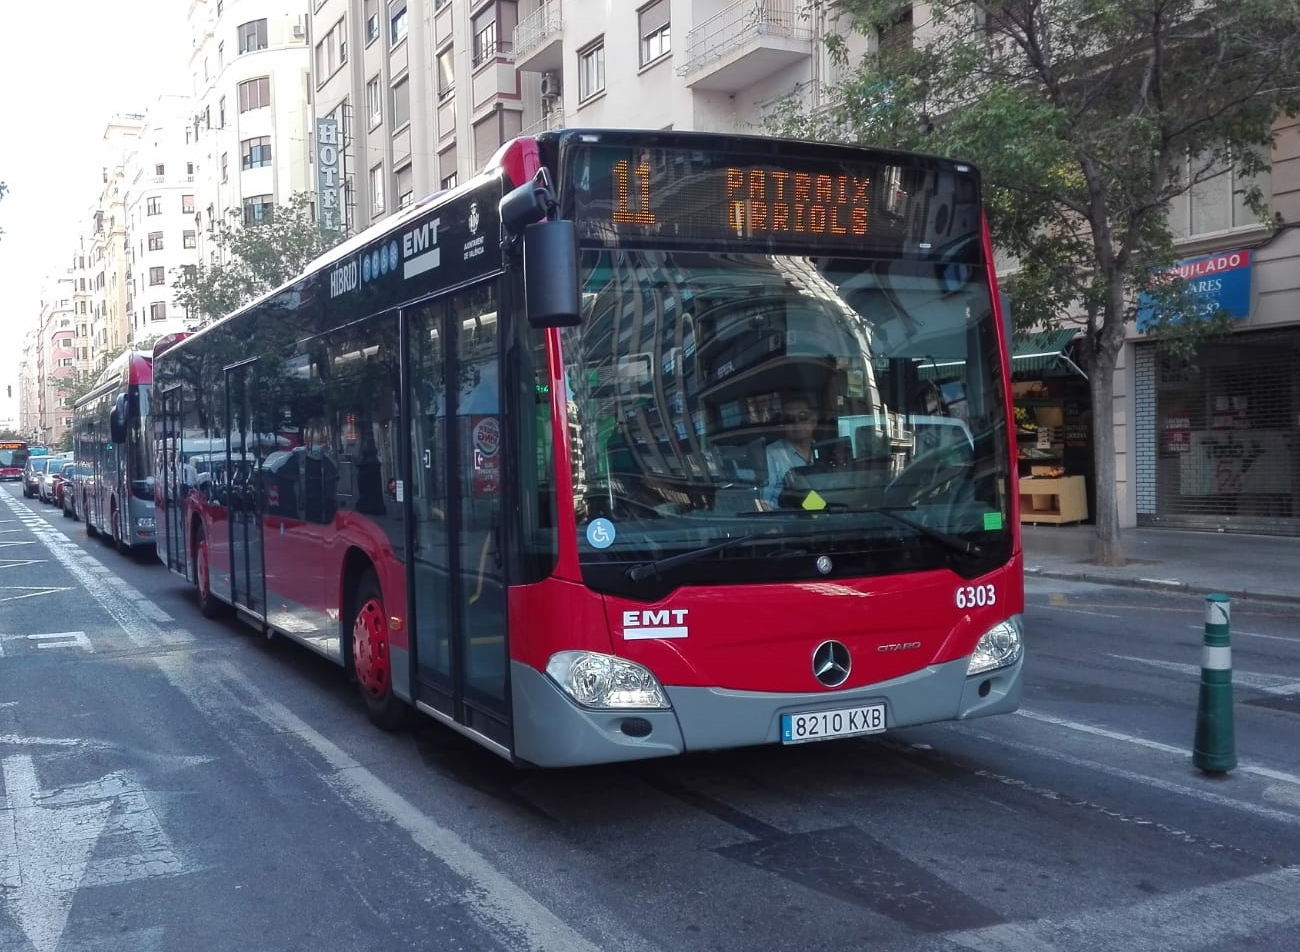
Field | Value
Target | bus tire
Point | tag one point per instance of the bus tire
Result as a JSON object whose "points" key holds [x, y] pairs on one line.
{"points": [[370, 652], [209, 605]]}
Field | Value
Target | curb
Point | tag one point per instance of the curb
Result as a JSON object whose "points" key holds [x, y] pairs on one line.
{"points": [[1171, 586]]}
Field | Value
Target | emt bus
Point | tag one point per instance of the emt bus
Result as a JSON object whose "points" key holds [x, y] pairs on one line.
{"points": [[534, 476], [112, 441], [13, 458]]}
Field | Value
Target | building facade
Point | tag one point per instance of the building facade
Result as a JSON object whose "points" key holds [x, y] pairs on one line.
{"points": [[162, 238], [249, 110]]}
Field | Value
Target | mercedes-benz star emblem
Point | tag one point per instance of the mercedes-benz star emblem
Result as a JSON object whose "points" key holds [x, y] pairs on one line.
{"points": [[831, 663]]}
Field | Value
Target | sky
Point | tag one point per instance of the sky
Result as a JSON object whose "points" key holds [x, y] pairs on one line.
{"points": [[65, 68]]}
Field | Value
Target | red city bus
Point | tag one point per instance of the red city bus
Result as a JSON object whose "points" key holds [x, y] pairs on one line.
{"points": [[111, 439], [635, 444], [13, 458]]}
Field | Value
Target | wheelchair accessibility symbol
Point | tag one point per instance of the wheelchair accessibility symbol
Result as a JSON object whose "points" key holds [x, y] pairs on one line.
{"points": [[600, 533]]}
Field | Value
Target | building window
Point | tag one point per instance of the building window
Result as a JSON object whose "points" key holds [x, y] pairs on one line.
{"points": [[655, 31], [191, 239], [156, 277], [331, 52], [256, 152], [591, 70], [405, 190], [225, 167], [187, 204], [374, 101], [401, 104], [257, 209], [153, 206], [372, 21], [446, 72], [377, 189], [155, 241], [448, 181], [252, 36], [396, 22], [254, 93], [158, 311], [484, 28]]}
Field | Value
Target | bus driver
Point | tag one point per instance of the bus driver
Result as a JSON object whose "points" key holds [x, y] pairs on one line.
{"points": [[795, 448]]}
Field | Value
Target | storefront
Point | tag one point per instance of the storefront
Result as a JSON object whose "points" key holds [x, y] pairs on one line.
{"points": [[1218, 441], [1053, 410]]}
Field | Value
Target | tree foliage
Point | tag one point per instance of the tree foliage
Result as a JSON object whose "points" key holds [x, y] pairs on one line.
{"points": [[253, 259], [1088, 120]]}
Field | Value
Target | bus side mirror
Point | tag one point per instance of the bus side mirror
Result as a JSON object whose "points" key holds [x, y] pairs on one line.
{"points": [[117, 420], [551, 296]]}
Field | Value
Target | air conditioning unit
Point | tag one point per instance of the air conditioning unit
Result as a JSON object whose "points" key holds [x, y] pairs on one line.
{"points": [[550, 85], [298, 30]]}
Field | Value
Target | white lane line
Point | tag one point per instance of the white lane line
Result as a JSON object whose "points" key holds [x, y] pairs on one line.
{"points": [[1268, 683], [1252, 906], [502, 904], [1247, 768], [1146, 780], [1289, 639]]}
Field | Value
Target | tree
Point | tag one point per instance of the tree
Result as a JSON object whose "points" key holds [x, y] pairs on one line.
{"points": [[1087, 119], [254, 259]]}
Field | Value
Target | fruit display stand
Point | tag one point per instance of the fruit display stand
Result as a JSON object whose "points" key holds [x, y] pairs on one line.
{"points": [[1054, 500]]}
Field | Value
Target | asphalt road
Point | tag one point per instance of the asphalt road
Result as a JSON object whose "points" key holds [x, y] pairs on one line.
{"points": [[172, 783]]}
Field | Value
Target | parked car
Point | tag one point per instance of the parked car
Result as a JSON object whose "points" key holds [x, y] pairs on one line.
{"points": [[73, 492], [59, 480], [45, 490], [32, 473]]}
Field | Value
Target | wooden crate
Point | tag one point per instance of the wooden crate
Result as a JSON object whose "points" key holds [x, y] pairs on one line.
{"points": [[1053, 500]]}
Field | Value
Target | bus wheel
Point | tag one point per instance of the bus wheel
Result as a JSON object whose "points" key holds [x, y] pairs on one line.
{"points": [[370, 655], [209, 605], [115, 531]]}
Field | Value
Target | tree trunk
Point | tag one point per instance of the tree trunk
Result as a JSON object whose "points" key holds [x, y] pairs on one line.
{"points": [[1106, 545]]}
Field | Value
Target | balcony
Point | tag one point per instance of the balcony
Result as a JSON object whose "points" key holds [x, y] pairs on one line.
{"points": [[539, 39], [746, 42], [549, 122]]}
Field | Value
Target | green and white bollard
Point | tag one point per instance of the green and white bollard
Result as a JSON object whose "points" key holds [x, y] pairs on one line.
{"points": [[1214, 750]]}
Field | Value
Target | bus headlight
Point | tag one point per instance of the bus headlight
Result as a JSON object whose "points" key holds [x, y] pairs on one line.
{"points": [[604, 681], [998, 647]]}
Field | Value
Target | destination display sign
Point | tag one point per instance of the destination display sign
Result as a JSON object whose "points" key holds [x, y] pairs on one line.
{"points": [[721, 196]]}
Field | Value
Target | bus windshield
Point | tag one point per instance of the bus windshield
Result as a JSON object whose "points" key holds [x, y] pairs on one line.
{"points": [[753, 407]]}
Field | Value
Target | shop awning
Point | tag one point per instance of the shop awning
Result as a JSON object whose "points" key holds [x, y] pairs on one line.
{"points": [[1043, 351]]}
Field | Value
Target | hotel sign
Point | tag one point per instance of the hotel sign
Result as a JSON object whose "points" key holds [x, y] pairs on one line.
{"points": [[329, 173]]}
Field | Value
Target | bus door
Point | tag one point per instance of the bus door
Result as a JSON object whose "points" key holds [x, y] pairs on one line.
{"points": [[169, 480], [459, 603], [247, 582]]}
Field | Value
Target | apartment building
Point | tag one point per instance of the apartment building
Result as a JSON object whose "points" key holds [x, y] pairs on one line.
{"points": [[55, 361], [108, 266], [160, 211], [249, 110]]}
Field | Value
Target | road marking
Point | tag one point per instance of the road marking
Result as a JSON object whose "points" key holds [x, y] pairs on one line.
{"points": [[31, 591], [1268, 683], [1252, 906], [1254, 769], [496, 899], [63, 639], [1254, 634], [48, 854]]}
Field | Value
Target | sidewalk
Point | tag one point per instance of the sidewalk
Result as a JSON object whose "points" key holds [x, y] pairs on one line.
{"points": [[1241, 566]]}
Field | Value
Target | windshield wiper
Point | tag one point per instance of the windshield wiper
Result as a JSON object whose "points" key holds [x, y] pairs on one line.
{"points": [[649, 570], [956, 543]]}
